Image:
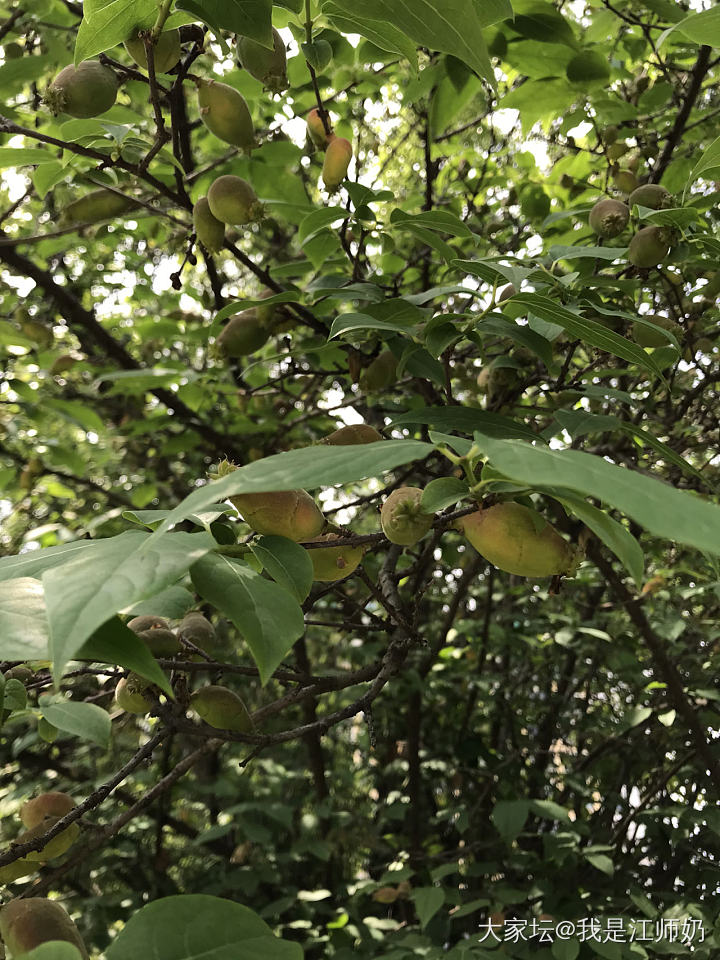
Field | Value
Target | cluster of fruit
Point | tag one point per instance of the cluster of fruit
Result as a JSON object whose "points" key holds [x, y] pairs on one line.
{"points": [[218, 706], [511, 536], [90, 89], [649, 245]]}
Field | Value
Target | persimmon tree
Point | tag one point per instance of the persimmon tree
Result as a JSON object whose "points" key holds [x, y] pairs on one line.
{"points": [[358, 478]]}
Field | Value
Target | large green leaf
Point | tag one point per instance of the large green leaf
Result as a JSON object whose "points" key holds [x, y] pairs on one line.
{"points": [[449, 26], [250, 18], [287, 563], [675, 515], [85, 720], [106, 27], [121, 571], [24, 634], [589, 331], [466, 420], [380, 32], [196, 926], [580, 422], [306, 468], [266, 615]]}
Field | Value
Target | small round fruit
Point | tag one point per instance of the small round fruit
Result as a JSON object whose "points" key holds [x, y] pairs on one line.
{"points": [[267, 66], [337, 160], [225, 113], [162, 642], [221, 708], [283, 513], [608, 218], [648, 247], [625, 180], [130, 699], [27, 923], [21, 673], [209, 230], [83, 91], [233, 200], [166, 54], [334, 563], [651, 195], [53, 804], [316, 130], [401, 518], [353, 434], [518, 540], [242, 334], [508, 291], [197, 629]]}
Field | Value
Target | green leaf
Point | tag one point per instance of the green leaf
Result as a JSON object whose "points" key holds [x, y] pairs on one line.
{"points": [[22, 156], [25, 633], [54, 950], [197, 925], [601, 862], [114, 643], [443, 492], [579, 422], [16, 73], [264, 613], [428, 901], [84, 720], [589, 331], [379, 32], [347, 322], [613, 534], [15, 695], [441, 220], [509, 817], [319, 220], [709, 163], [121, 571], [549, 810], [47, 175], [565, 949], [249, 18], [703, 27], [449, 26], [288, 564], [466, 420], [308, 468], [111, 24], [674, 515]]}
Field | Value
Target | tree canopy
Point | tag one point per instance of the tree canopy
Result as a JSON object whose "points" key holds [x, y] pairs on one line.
{"points": [[359, 479]]}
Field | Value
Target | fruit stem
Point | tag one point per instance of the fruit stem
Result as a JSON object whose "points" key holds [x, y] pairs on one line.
{"points": [[163, 14]]}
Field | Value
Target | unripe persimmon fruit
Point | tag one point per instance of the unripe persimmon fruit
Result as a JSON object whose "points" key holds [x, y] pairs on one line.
{"points": [[27, 923], [225, 113], [284, 513], [518, 540], [83, 91]]}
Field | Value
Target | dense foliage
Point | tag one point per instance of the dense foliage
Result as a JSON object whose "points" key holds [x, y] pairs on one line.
{"points": [[446, 718]]}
